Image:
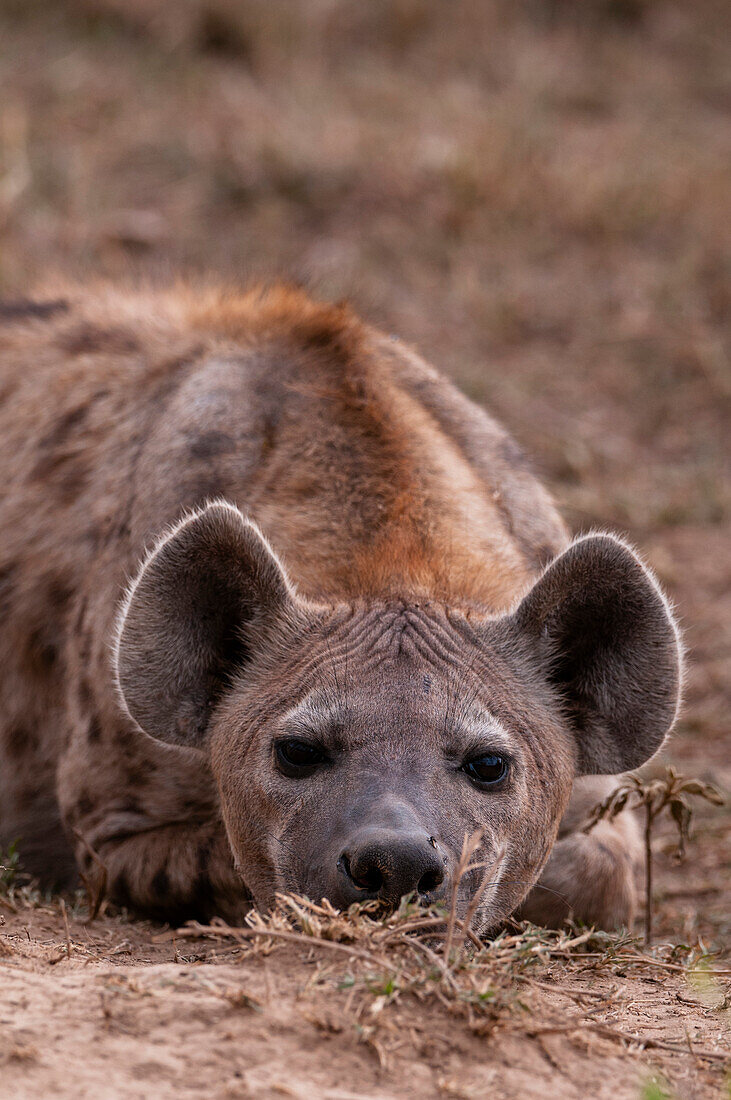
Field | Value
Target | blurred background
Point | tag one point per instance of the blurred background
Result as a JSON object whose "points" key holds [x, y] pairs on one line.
{"points": [[534, 192]]}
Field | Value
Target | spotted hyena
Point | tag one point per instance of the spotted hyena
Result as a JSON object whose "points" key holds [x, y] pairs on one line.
{"points": [[281, 610]]}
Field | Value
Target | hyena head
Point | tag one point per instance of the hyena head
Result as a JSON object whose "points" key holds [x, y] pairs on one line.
{"points": [[356, 746]]}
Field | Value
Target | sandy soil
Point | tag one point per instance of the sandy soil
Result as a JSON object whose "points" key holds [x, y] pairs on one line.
{"points": [[536, 194], [111, 1012]]}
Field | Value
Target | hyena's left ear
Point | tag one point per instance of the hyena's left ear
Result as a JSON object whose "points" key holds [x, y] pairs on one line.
{"points": [[197, 610], [604, 636]]}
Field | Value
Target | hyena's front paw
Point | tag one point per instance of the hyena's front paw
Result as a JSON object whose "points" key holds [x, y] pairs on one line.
{"points": [[174, 873], [589, 878]]}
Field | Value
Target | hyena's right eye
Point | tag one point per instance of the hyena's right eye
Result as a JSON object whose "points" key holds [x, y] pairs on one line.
{"points": [[298, 759], [486, 771]]}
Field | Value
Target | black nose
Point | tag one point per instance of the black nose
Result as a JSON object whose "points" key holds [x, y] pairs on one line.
{"points": [[387, 865]]}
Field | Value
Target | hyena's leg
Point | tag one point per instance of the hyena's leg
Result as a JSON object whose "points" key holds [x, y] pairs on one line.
{"points": [[173, 872], [589, 876], [145, 823]]}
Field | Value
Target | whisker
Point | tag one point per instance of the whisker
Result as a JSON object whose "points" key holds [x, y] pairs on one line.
{"points": [[535, 886]]}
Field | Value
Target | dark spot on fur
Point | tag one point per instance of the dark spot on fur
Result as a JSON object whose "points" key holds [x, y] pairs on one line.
{"points": [[209, 444], [113, 529], [88, 339], [121, 738], [204, 856], [79, 622], [85, 696], [604, 850], [85, 640], [161, 884], [24, 310], [94, 730], [328, 333], [268, 437], [218, 33], [42, 652], [131, 806], [59, 595], [96, 535], [202, 897], [72, 483], [19, 741], [7, 582], [172, 367], [84, 804], [63, 427], [31, 792], [120, 892], [64, 474], [137, 775]]}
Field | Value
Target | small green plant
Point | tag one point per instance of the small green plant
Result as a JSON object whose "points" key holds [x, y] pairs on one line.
{"points": [[656, 1088], [18, 889], [668, 794], [9, 867]]}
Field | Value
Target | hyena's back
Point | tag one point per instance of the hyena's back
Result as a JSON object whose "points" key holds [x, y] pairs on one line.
{"points": [[368, 472]]}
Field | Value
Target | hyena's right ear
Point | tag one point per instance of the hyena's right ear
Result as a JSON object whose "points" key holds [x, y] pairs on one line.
{"points": [[199, 604]]}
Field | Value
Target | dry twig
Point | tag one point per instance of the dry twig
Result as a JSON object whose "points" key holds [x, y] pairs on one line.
{"points": [[656, 795]]}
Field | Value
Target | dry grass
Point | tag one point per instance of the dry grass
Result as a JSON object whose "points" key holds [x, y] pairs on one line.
{"points": [[408, 954]]}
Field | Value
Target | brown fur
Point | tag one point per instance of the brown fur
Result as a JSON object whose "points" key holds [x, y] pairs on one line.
{"points": [[375, 481]]}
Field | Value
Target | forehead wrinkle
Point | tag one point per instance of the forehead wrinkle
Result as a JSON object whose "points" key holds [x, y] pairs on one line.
{"points": [[423, 633], [433, 631], [331, 660], [379, 625], [355, 630]]}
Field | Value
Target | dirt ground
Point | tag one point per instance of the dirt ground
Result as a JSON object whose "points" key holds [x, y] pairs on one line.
{"points": [[536, 194], [116, 1014]]}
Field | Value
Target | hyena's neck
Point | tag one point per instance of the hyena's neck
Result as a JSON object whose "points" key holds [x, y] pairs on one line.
{"points": [[413, 519]]}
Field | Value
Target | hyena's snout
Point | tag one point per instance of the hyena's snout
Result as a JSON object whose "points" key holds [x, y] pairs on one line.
{"points": [[385, 864]]}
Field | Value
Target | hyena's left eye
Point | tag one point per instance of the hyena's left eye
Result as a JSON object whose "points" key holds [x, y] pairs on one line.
{"points": [[298, 759], [486, 771]]}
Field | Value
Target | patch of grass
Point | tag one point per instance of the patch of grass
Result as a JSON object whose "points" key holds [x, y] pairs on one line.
{"points": [[9, 866], [17, 889], [656, 1088]]}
